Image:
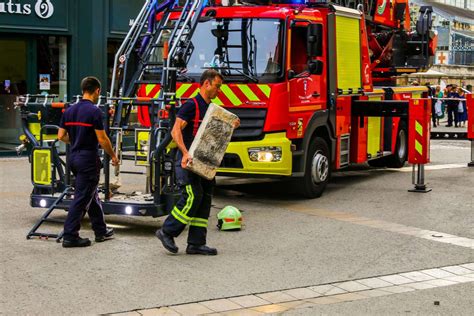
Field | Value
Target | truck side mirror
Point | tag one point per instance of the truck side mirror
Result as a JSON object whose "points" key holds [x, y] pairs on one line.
{"points": [[314, 40], [315, 67]]}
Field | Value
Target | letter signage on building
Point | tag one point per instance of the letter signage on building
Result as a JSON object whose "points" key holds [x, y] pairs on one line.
{"points": [[40, 14]]}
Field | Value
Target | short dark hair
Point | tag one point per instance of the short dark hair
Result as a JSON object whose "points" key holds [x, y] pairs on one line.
{"points": [[90, 84], [209, 74]]}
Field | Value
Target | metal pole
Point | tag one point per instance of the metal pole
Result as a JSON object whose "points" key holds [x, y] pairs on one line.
{"points": [[420, 186], [106, 156], [471, 164]]}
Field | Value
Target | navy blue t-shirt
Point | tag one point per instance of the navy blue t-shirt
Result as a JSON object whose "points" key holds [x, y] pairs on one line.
{"points": [[80, 121], [187, 113]]}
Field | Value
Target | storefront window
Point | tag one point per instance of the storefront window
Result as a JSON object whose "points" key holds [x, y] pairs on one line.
{"points": [[13, 81], [52, 65], [29, 64]]}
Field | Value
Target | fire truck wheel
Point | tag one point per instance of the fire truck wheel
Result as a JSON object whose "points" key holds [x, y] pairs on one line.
{"points": [[398, 159], [318, 169]]}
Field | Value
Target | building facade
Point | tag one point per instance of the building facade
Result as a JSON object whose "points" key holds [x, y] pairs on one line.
{"points": [[454, 22], [48, 46]]}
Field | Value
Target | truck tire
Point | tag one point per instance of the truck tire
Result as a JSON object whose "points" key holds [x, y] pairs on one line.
{"points": [[398, 159], [318, 170]]}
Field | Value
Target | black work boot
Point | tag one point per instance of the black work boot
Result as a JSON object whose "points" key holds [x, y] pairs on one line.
{"points": [[109, 234], [167, 241], [201, 250], [79, 242]]}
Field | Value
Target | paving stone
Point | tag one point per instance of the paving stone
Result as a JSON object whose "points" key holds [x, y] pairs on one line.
{"points": [[374, 293], [459, 279], [441, 282], [396, 289], [159, 312], [126, 314], [276, 297], [323, 300], [297, 304], [352, 286], [396, 279], [470, 275], [417, 276], [374, 283], [221, 305], [347, 297], [438, 273], [191, 309], [272, 308], [327, 289], [302, 293], [241, 312], [420, 285], [469, 266], [457, 270], [249, 301]]}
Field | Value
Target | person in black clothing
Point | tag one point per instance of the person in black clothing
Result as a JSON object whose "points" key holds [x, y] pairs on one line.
{"points": [[194, 205], [452, 105], [82, 127]]}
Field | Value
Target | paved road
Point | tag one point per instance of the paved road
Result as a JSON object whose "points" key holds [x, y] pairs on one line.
{"points": [[287, 243]]}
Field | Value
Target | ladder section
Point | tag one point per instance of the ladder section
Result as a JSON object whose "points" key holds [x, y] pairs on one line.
{"points": [[153, 51], [58, 204]]}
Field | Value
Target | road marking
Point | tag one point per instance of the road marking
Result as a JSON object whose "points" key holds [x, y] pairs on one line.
{"points": [[385, 226], [322, 294]]}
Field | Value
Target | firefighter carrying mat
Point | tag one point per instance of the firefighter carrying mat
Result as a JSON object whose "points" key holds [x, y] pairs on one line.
{"points": [[210, 143]]}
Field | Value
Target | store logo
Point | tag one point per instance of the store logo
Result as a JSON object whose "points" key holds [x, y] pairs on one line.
{"points": [[44, 9]]}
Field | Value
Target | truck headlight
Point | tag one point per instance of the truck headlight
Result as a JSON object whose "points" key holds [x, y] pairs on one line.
{"points": [[265, 154]]}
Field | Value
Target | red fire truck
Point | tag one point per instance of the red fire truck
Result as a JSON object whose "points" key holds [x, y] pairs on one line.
{"points": [[310, 81], [301, 76]]}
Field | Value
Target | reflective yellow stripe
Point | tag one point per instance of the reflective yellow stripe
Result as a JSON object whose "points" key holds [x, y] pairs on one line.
{"points": [[265, 89], [190, 200], [419, 128], [418, 147], [195, 93], [157, 94], [148, 88], [248, 93], [181, 90], [180, 216], [230, 95], [199, 222], [217, 101]]}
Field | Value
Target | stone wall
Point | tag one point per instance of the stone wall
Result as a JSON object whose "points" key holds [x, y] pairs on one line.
{"points": [[451, 74]]}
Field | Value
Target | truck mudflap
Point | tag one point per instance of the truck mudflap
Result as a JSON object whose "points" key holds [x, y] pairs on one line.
{"points": [[270, 156]]}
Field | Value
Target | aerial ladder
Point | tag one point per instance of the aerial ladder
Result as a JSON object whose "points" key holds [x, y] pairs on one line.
{"points": [[150, 53]]}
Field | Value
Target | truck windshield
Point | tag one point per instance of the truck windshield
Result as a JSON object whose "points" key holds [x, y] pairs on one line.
{"points": [[241, 49]]}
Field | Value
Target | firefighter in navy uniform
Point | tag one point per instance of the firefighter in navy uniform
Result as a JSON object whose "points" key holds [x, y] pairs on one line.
{"points": [[194, 205], [82, 127]]}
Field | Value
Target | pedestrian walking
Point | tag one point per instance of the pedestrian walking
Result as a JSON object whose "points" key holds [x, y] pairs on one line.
{"points": [[439, 107], [194, 205], [462, 108], [82, 127]]}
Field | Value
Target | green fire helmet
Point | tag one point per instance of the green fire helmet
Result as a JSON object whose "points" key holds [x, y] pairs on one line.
{"points": [[229, 218]]}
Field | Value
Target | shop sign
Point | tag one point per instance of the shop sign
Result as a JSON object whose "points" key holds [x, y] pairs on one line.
{"points": [[44, 9], [35, 15]]}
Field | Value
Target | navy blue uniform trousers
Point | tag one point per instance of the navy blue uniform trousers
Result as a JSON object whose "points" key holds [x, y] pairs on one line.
{"points": [[85, 165], [192, 208]]}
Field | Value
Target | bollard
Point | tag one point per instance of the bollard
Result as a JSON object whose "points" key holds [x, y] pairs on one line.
{"points": [[470, 125], [419, 130]]}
